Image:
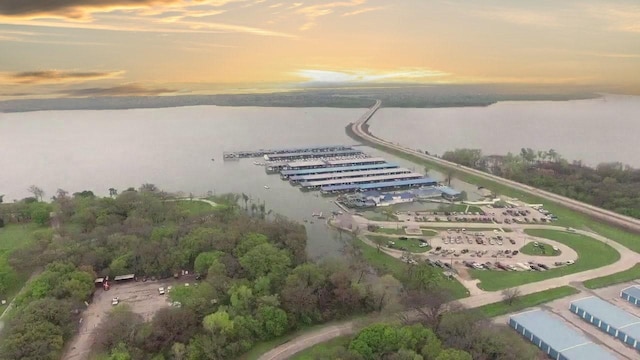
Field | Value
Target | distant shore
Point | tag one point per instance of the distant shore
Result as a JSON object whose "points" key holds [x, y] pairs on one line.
{"points": [[398, 97]]}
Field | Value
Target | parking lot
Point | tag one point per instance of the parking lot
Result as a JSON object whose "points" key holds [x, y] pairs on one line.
{"points": [[514, 213], [495, 250], [142, 297]]}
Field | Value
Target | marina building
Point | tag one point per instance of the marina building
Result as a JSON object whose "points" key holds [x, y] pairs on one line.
{"points": [[295, 180], [380, 186], [317, 185]]}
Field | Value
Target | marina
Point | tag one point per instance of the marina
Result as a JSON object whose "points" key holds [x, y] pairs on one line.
{"points": [[275, 168], [380, 186], [235, 155], [310, 155], [296, 180], [286, 174], [316, 185]]}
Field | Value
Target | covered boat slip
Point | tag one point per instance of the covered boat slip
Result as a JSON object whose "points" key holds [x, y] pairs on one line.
{"points": [[310, 155], [286, 174], [316, 185], [380, 186], [295, 180], [258, 153]]}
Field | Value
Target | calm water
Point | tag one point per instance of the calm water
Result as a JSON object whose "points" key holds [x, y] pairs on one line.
{"points": [[594, 131], [172, 148]]}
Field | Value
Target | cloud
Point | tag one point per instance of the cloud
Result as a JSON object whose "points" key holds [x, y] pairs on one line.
{"points": [[363, 76], [618, 17], [315, 11], [55, 76], [120, 90], [520, 16], [364, 10]]}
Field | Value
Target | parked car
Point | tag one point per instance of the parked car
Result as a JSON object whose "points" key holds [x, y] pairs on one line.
{"points": [[161, 290], [115, 301]]}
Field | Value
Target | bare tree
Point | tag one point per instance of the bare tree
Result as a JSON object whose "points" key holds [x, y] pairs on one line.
{"points": [[511, 295], [37, 192], [429, 305]]}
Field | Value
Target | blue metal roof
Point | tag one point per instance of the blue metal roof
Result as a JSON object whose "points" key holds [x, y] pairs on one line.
{"points": [[315, 154], [343, 174], [633, 291], [338, 169], [610, 314], [563, 339], [423, 181]]}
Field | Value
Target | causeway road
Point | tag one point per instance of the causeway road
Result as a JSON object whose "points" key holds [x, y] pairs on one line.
{"points": [[605, 215]]}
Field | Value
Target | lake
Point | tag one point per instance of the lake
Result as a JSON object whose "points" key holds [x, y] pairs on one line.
{"points": [[172, 148], [597, 130]]}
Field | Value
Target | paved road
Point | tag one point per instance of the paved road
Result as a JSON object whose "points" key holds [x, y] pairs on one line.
{"points": [[602, 214], [628, 258]]}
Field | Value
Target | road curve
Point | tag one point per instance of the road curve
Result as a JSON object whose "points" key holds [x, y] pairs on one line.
{"points": [[627, 260], [590, 210]]}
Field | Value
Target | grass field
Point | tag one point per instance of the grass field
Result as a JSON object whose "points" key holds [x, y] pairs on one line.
{"points": [[541, 250], [391, 231], [386, 264], [591, 254], [411, 244], [322, 349], [13, 237], [195, 207], [527, 301], [429, 232], [617, 278], [566, 217]]}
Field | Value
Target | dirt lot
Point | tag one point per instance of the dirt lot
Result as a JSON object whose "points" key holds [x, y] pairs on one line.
{"points": [[142, 297]]}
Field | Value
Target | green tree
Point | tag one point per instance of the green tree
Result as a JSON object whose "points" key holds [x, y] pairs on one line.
{"points": [[37, 192], [273, 321], [219, 322], [40, 213], [265, 259], [249, 242], [40, 340], [120, 352], [204, 261], [454, 354]]}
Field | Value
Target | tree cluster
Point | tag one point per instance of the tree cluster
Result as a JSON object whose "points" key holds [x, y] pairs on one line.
{"points": [[613, 186], [257, 281]]}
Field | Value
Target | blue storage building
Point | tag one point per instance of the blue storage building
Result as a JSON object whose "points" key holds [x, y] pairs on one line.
{"points": [[556, 338], [631, 294], [610, 319]]}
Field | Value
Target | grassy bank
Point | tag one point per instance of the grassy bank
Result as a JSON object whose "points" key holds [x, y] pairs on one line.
{"points": [[13, 237], [323, 349], [617, 278], [567, 217], [195, 207], [527, 301], [592, 254], [386, 264], [541, 250], [410, 244]]}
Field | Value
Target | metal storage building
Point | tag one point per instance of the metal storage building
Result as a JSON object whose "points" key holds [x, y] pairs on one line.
{"points": [[631, 294], [555, 338], [610, 319]]}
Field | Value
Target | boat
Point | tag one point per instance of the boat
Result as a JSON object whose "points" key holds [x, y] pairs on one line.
{"points": [[316, 214], [266, 187], [212, 159], [320, 216]]}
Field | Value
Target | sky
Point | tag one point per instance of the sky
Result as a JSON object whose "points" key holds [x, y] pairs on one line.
{"points": [[81, 48]]}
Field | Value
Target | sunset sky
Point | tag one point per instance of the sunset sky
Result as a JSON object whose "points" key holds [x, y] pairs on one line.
{"points": [[67, 48]]}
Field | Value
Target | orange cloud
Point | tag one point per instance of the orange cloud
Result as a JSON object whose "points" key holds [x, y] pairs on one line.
{"points": [[55, 76]]}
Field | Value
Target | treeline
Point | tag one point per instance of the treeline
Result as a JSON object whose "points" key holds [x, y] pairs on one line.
{"points": [[458, 336], [611, 186], [258, 283]]}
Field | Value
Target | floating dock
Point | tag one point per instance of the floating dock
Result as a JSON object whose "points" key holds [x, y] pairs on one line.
{"points": [[311, 155], [295, 180], [317, 185], [234, 155], [318, 164], [380, 186], [286, 174]]}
